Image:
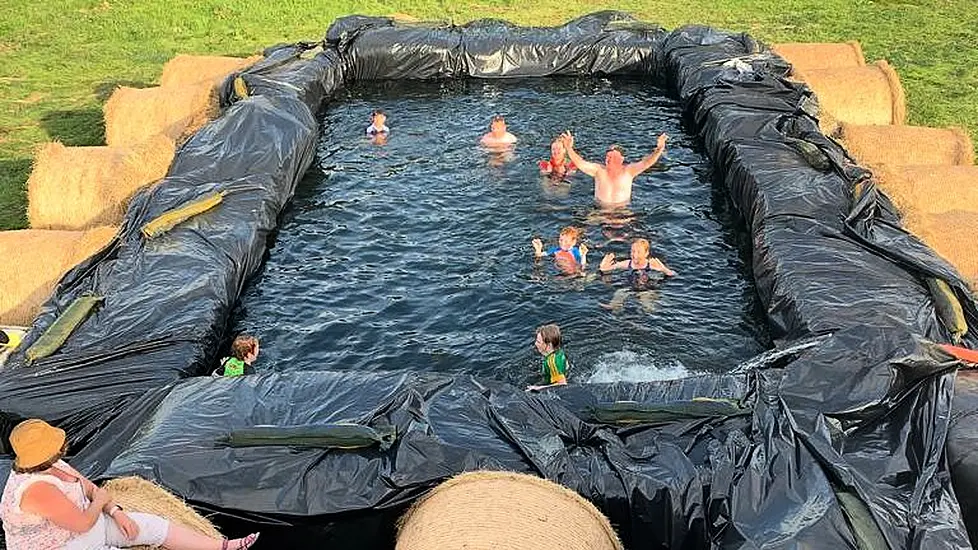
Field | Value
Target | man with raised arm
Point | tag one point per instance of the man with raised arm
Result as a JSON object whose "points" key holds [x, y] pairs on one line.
{"points": [[613, 179]]}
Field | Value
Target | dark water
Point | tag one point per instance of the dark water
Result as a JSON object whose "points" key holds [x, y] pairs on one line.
{"points": [[416, 254]]}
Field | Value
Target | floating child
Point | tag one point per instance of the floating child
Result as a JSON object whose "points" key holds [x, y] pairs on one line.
{"points": [[568, 256], [244, 351]]}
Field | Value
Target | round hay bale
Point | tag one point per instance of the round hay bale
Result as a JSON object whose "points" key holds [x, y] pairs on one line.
{"points": [[808, 56], [48, 255], [82, 187], [952, 235], [134, 115], [859, 95], [504, 511], [193, 69], [897, 145], [139, 495], [929, 189]]}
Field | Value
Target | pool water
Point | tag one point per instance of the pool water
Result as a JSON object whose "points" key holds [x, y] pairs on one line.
{"points": [[415, 254]]}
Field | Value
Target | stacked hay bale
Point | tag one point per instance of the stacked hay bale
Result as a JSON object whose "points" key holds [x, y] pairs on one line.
{"points": [[34, 260], [927, 172], [504, 511], [78, 191], [138, 495]]}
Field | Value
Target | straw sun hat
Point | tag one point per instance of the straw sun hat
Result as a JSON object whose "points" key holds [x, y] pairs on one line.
{"points": [[35, 442]]}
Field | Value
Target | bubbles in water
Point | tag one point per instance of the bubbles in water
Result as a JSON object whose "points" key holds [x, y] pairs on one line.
{"points": [[629, 366]]}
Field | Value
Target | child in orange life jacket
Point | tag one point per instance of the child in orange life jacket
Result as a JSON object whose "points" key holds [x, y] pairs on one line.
{"points": [[244, 351], [569, 256], [550, 346]]}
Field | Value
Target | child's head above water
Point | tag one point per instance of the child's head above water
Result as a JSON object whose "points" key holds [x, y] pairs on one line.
{"points": [[548, 339], [568, 237], [498, 125], [245, 348], [557, 150], [640, 249], [378, 118]]}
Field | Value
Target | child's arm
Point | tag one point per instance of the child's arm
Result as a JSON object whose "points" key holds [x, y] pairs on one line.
{"points": [[608, 263], [588, 168], [538, 248], [538, 388], [583, 250], [656, 263]]}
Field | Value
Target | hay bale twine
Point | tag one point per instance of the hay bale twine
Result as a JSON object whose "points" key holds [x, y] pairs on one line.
{"points": [[897, 145], [504, 511], [952, 235], [82, 187], [134, 115], [808, 56], [139, 495], [193, 69], [929, 189], [859, 95], [34, 260]]}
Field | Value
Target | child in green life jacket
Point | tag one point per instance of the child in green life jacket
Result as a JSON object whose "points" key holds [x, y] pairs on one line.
{"points": [[554, 368], [244, 351]]}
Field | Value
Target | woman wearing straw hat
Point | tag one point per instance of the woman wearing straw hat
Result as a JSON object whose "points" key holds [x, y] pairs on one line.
{"points": [[47, 504]]}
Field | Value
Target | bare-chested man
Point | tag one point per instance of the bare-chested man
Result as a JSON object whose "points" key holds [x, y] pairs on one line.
{"points": [[613, 179]]}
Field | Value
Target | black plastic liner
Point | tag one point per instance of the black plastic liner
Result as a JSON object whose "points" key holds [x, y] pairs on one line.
{"points": [[844, 446]]}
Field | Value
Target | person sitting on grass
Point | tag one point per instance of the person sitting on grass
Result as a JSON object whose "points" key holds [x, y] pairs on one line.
{"points": [[569, 256], [47, 504], [550, 346], [244, 351]]}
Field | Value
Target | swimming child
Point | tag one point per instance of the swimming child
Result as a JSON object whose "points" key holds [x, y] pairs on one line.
{"points": [[613, 179], [642, 268], [569, 256], [244, 351], [498, 136], [557, 166], [378, 124], [554, 369]]}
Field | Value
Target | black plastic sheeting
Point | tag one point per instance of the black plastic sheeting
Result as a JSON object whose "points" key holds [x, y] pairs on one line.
{"points": [[846, 442]]}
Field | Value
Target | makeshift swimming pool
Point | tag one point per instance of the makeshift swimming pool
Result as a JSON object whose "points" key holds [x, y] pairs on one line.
{"points": [[416, 255], [834, 439]]}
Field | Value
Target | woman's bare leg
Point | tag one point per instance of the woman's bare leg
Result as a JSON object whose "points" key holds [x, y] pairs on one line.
{"points": [[179, 537]]}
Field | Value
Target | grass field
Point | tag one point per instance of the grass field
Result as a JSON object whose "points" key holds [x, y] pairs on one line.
{"points": [[60, 61]]}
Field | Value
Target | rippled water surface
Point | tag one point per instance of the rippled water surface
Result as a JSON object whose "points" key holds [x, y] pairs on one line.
{"points": [[416, 254]]}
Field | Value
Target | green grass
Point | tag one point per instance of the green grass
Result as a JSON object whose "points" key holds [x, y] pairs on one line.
{"points": [[60, 61]]}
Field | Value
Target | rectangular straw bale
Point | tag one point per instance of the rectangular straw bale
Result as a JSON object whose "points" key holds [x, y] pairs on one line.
{"points": [[135, 115], [193, 69], [930, 189], [82, 187], [808, 56], [859, 95], [35, 260], [952, 236], [898, 145]]}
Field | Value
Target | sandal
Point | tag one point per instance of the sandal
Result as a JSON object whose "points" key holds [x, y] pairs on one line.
{"points": [[243, 544]]}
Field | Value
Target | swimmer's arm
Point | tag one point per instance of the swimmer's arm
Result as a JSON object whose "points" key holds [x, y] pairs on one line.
{"points": [[649, 161], [538, 388], [656, 263], [588, 168], [608, 263], [538, 248]]}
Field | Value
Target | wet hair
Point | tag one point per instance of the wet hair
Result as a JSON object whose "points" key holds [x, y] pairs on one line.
{"points": [[44, 465], [495, 119], [644, 243], [570, 231], [550, 334], [4, 339], [378, 112], [243, 345], [616, 147]]}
